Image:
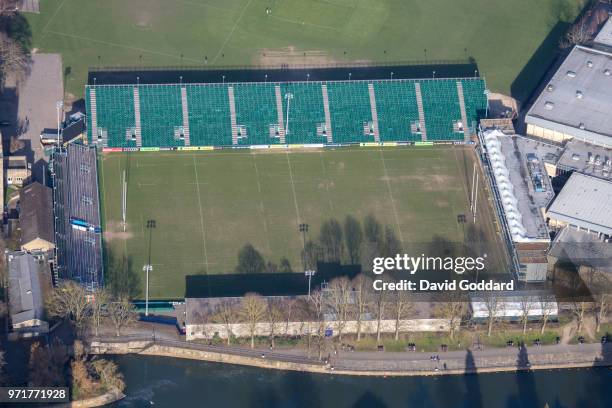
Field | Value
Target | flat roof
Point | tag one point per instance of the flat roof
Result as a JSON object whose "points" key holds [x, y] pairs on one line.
{"points": [[578, 98], [586, 158], [585, 201], [582, 248], [513, 181], [604, 37]]}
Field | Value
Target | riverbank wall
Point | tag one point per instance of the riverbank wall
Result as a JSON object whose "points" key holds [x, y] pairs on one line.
{"points": [[377, 364]]}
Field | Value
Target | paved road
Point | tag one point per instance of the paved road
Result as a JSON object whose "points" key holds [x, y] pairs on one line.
{"points": [[418, 362], [31, 107]]}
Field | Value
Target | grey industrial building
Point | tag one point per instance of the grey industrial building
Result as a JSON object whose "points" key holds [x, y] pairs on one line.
{"points": [[584, 203], [577, 101]]}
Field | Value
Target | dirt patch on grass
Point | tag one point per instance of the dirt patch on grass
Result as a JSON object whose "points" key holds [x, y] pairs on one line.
{"points": [[114, 230], [430, 182], [292, 56]]}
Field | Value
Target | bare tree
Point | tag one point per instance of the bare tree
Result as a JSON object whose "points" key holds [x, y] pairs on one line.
{"points": [[602, 306], [525, 306], [578, 33], [363, 299], [109, 374], [274, 317], [316, 304], [402, 307], [600, 286], [339, 300], [122, 314], [82, 383], [579, 308], [225, 315], [453, 309], [14, 60], [494, 309], [46, 365], [379, 310], [288, 310], [69, 301], [547, 308], [253, 310], [98, 308]]}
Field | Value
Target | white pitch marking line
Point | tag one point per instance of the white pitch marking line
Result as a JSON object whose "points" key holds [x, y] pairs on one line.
{"points": [[262, 208], [232, 31], [297, 209], [195, 169], [382, 157]]}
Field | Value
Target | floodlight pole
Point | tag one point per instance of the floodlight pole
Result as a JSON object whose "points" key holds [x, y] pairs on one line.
{"points": [[59, 105], [309, 273], [303, 227], [472, 187], [148, 267], [288, 97], [476, 197]]}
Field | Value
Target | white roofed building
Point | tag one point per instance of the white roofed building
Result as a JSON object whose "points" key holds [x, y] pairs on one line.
{"points": [[512, 306], [522, 191]]}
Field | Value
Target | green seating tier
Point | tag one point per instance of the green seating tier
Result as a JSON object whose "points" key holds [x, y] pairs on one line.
{"points": [[305, 111], [208, 111], [209, 115], [397, 110]]}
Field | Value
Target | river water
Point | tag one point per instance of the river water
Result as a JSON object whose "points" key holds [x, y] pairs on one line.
{"points": [[168, 382]]}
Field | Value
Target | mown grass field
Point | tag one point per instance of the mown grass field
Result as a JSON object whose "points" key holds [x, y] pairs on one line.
{"points": [[501, 35], [207, 205]]}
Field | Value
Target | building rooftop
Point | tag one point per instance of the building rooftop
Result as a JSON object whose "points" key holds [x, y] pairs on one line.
{"points": [[25, 287], [16, 162], [578, 98], [36, 213], [585, 201], [582, 248], [521, 203], [586, 158], [605, 34]]}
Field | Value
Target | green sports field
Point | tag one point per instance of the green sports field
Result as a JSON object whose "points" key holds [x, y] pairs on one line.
{"points": [[209, 204], [501, 35]]}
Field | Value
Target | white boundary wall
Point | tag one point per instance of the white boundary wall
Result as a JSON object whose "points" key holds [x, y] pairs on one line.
{"points": [[208, 330]]}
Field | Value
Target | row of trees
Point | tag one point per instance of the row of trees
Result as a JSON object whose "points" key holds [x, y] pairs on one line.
{"points": [[71, 301], [342, 301], [355, 300]]}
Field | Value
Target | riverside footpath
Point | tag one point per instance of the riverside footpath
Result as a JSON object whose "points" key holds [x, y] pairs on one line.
{"points": [[369, 363]]}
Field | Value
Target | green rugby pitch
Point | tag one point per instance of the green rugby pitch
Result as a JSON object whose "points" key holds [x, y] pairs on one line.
{"points": [[506, 38], [207, 205]]}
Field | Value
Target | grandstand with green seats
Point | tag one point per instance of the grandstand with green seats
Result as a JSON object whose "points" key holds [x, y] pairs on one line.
{"points": [[191, 115]]}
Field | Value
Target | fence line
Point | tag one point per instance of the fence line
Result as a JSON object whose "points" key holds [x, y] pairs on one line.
{"points": [[356, 64]]}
